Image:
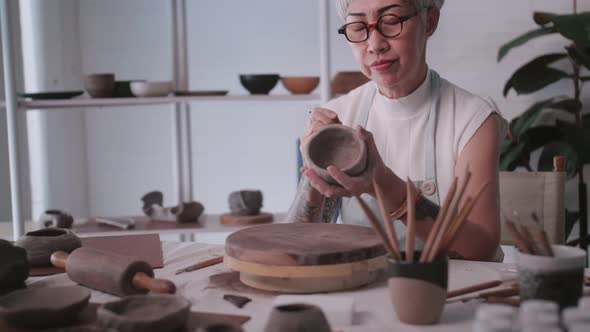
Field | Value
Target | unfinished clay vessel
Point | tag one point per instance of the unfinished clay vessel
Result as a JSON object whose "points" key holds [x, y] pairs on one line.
{"points": [[44, 306], [219, 327], [297, 318], [14, 267], [418, 290], [44, 242], [145, 313], [335, 145], [55, 218], [245, 202], [182, 213], [99, 85]]}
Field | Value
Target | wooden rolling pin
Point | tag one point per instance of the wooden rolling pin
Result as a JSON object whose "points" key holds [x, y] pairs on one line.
{"points": [[110, 273]]}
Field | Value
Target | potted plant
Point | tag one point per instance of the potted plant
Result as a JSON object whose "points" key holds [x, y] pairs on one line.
{"points": [[559, 125]]}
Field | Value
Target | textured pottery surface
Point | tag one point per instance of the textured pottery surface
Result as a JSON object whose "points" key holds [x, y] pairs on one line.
{"points": [[44, 307], [56, 219], [300, 85], [559, 279], [345, 81], [14, 267], [245, 202], [151, 88], [297, 318], [219, 327], [418, 290], [182, 213], [44, 242], [145, 313], [335, 145], [99, 85], [259, 84]]}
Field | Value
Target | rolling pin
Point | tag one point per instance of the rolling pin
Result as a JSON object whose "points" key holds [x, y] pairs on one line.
{"points": [[110, 273]]}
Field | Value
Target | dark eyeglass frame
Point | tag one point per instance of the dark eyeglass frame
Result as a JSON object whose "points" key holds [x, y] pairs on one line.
{"points": [[375, 26]]}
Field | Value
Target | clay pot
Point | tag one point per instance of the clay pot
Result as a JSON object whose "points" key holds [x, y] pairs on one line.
{"points": [[151, 88], [14, 268], [56, 219], [335, 145], [99, 85], [418, 290], [297, 318], [219, 327], [123, 89], [245, 202], [145, 313], [259, 84], [345, 81], [44, 242], [300, 85], [44, 307]]}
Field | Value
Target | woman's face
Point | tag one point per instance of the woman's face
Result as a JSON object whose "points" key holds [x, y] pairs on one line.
{"points": [[390, 62]]}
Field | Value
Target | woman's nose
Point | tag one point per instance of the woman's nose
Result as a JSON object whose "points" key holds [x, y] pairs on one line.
{"points": [[377, 43]]}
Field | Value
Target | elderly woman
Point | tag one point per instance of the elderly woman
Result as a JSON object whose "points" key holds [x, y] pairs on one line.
{"points": [[416, 125]]}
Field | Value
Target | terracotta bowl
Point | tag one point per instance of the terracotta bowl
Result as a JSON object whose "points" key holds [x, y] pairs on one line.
{"points": [[418, 290], [14, 267], [245, 202], [44, 306], [345, 81], [44, 242], [297, 317], [55, 218], [160, 312], [99, 85], [259, 84], [335, 145], [300, 85], [151, 88]]}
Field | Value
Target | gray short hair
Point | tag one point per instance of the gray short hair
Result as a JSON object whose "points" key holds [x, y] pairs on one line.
{"points": [[342, 5]]}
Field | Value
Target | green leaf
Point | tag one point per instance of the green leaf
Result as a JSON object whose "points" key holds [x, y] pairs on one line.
{"points": [[543, 18], [578, 138], [504, 49], [542, 113], [570, 220], [571, 105], [536, 74], [512, 157], [575, 27], [559, 148], [580, 57], [540, 136]]}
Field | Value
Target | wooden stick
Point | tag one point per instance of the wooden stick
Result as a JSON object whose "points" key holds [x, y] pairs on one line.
{"points": [[505, 292], [545, 243], [200, 265], [411, 220], [376, 225], [464, 213], [517, 237], [450, 235], [474, 288], [530, 240], [438, 222], [387, 221]]}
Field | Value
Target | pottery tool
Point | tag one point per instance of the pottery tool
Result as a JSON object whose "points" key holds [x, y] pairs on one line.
{"points": [[392, 236], [122, 223], [411, 220], [530, 240], [521, 243], [473, 288], [306, 257], [200, 265], [376, 226], [110, 273]]}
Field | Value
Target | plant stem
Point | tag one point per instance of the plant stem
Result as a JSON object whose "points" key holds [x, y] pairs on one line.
{"points": [[575, 6]]}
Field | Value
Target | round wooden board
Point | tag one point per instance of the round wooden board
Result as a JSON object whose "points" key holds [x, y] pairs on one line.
{"points": [[298, 244], [228, 219]]}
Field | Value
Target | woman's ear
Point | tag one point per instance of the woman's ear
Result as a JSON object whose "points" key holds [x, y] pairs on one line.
{"points": [[433, 17]]}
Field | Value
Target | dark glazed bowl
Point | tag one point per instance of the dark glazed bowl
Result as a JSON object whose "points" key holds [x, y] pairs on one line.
{"points": [[297, 317], [335, 145], [123, 89], [44, 242], [259, 84]]}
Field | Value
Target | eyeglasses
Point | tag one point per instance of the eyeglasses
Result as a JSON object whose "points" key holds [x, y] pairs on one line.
{"points": [[389, 25]]}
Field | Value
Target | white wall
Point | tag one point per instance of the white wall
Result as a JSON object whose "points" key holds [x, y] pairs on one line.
{"points": [[239, 145]]}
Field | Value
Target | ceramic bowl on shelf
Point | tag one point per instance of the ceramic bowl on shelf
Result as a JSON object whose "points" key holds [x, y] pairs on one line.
{"points": [[151, 88], [300, 85], [345, 81], [99, 85], [123, 89], [259, 84]]}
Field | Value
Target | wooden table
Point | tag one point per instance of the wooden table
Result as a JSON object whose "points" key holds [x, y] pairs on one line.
{"points": [[374, 311]]}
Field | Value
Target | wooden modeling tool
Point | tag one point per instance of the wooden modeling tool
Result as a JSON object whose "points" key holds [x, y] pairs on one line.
{"points": [[201, 265], [392, 236], [110, 273]]}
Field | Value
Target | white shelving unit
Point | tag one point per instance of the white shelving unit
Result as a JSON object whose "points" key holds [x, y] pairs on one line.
{"points": [[181, 115]]}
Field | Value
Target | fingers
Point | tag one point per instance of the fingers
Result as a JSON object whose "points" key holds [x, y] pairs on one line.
{"points": [[325, 113], [323, 187]]}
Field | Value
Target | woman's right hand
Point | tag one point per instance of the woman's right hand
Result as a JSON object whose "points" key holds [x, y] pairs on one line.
{"points": [[319, 117]]}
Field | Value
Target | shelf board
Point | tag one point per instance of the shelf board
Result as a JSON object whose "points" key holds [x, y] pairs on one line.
{"points": [[85, 102]]}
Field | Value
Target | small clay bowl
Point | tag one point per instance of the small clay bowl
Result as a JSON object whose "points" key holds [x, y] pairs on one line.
{"points": [[44, 242], [335, 145], [300, 85], [14, 267], [151, 88], [345, 81], [245, 202], [133, 313], [219, 327], [123, 89], [418, 290], [297, 317], [99, 85], [44, 307], [558, 279], [55, 218], [259, 84]]}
